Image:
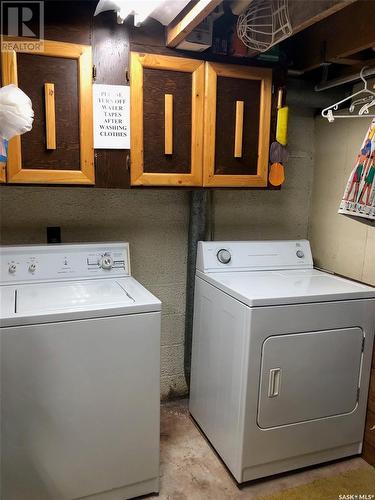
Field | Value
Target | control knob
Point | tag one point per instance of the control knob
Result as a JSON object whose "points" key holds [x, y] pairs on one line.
{"points": [[106, 262], [300, 254], [224, 256], [32, 267], [12, 268]]}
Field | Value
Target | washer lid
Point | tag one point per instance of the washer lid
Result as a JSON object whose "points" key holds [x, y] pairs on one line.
{"points": [[34, 303], [73, 295], [265, 288]]}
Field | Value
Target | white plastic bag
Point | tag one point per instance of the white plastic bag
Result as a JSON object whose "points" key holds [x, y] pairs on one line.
{"points": [[16, 112]]}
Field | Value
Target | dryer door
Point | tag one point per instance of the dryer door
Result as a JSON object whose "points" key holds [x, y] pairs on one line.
{"points": [[307, 376]]}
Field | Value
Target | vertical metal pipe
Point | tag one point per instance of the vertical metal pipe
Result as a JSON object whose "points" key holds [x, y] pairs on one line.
{"points": [[198, 229]]}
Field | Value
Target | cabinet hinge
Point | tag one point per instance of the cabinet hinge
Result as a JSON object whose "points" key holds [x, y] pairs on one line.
{"points": [[94, 72]]}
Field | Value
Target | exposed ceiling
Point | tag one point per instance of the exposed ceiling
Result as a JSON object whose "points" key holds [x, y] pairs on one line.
{"points": [[336, 35], [330, 39]]}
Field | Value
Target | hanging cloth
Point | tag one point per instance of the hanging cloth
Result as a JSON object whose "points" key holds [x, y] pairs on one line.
{"points": [[359, 195], [16, 117], [16, 112]]}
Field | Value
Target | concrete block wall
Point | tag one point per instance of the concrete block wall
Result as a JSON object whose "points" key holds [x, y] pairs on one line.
{"points": [[154, 222], [279, 214]]}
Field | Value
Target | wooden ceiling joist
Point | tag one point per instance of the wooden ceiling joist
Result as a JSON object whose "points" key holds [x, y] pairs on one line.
{"points": [[344, 72], [350, 60], [304, 14], [335, 38], [180, 28]]}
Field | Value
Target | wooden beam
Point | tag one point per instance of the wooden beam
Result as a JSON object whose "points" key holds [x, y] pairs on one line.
{"points": [[346, 32], [180, 28], [304, 14], [239, 6], [350, 61], [344, 71], [337, 73]]}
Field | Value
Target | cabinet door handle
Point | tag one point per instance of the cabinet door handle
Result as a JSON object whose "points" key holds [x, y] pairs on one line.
{"points": [[49, 97], [239, 129], [168, 124], [274, 382]]}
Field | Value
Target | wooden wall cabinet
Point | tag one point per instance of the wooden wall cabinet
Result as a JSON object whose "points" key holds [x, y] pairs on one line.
{"points": [[198, 124], [236, 125], [59, 148], [167, 105]]}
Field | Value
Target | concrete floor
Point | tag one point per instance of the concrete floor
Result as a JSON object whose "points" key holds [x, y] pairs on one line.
{"points": [[190, 470]]}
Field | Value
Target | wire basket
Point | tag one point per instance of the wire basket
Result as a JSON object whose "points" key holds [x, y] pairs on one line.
{"points": [[264, 24]]}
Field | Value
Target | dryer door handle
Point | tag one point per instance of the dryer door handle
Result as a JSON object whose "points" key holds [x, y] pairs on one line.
{"points": [[274, 382]]}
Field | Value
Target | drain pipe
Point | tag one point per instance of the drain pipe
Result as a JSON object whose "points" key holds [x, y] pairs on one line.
{"points": [[198, 230]]}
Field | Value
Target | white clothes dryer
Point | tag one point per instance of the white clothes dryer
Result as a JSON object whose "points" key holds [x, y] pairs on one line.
{"points": [[281, 357]]}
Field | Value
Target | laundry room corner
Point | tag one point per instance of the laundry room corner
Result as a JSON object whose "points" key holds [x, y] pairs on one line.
{"points": [[155, 222], [342, 244], [187, 249]]}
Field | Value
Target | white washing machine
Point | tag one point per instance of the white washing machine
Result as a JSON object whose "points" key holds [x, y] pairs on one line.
{"points": [[80, 396], [281, 357]]}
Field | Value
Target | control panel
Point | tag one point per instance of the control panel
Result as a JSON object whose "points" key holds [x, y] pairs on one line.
{"points": [[63, 262], [217, 256]]}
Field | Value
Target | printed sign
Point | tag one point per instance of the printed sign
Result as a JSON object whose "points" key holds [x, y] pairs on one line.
{"points": [[111, 116], [359, 196]]}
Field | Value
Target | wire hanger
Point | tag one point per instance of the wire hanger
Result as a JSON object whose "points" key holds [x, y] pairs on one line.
{"points": [[366, 107], [363, 112], [362, 100]]}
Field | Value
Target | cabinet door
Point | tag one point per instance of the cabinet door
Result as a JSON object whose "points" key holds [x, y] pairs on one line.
{"points": [[167, 105], [236, 125], [59, 148]]}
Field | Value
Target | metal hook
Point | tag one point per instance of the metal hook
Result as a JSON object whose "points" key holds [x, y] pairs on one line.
{"points": [[362, 77]]}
